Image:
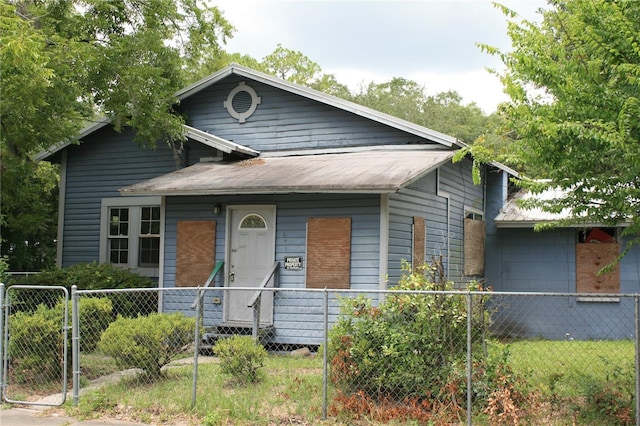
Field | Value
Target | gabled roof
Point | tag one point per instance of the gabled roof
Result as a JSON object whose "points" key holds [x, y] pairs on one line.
{"points": [[234, 69], [316, 95], [53, 149], [372, 172], [205, 138]]}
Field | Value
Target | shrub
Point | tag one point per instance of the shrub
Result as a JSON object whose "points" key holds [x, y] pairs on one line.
{"points": [[241, 357], [92, 276], [147, 342], [412, 347], [36, 345], [95, 315]]}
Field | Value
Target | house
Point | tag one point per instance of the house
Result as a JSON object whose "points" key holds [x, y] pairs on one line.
{"points": [[564, 259], [277, 184]]}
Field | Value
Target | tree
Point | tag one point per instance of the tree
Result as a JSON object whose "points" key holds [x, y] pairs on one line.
{"points": [[408, 100], [62, 63], [574, 86], [294, 66]]}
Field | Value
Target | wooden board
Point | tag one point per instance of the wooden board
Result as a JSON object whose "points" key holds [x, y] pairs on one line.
{"points": [[473, 247], [328, 252], [419, 237], [591, 258], [195, 252]]}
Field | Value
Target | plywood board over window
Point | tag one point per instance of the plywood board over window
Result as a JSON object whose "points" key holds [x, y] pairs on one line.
{"points": [[473, 247], [328, 252], [419, 237], [195, 252], [590, 259]]}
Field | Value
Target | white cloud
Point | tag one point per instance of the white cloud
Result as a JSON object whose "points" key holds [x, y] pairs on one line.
{"points": [[430, 41], [477, 86]]}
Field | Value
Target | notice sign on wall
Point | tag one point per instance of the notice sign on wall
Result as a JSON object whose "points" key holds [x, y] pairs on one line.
{"points": [[293, 263]]}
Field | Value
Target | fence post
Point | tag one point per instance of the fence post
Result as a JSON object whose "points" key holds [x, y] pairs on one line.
{"points": [[1, 340], [325, 352], [637, 343], [75, 344], [196, 351], [469, 356]]}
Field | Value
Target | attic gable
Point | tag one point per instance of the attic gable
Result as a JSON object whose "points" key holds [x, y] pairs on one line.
{"points": [[323, 98]]}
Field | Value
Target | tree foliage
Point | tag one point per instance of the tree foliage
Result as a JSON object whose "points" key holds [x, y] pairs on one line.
{"points": [[63, 63], [574, 111], [407, 99]]}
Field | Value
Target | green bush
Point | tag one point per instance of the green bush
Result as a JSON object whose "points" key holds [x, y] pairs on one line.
{"points": [[412, 346], [147, 342], [241, 357], [36, 345], [95, 315], [90, 276]]}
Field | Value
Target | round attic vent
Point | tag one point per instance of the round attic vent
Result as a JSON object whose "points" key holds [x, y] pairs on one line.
{"points": [[242, 102]]}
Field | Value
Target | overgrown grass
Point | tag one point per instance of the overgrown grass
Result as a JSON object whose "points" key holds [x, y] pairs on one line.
{"points": [[567, 382], [291, 390], [564, 368]]}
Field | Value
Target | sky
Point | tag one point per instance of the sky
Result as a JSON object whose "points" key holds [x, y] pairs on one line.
{"points": [[432, 42]]}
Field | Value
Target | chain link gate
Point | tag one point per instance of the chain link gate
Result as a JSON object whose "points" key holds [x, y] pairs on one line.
{"points": [[34, 347]]}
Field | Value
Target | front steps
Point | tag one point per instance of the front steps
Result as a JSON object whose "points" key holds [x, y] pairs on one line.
{"points": [[212, 334]]}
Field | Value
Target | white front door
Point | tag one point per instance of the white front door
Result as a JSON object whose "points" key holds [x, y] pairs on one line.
{"points": [[250, 253]]}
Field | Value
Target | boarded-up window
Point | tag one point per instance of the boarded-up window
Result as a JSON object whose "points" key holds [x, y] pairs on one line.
{"points": [[195, 252], [419, 237], [591, 258], [328, 252], [473, 245]]}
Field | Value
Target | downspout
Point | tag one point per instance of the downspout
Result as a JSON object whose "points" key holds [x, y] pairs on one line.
{"points": [[61, 206], [447, 198]]}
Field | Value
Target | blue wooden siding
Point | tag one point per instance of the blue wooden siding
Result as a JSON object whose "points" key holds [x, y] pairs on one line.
{"points": [[297, 316], [496, 185], [284, 121], [531, 261], [105, 162], [421, 199]]}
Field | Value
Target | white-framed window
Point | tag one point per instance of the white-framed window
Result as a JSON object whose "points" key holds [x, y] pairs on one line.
{"points": [[130, 233]]}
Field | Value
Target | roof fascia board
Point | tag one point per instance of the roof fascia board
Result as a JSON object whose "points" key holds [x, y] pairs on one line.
{"points": [[531, 224], [260, 192], [217, 142], [54, 149], [351, 149]]}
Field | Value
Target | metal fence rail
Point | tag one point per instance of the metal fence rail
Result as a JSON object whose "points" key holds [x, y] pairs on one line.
{"points": [[564, 346]]}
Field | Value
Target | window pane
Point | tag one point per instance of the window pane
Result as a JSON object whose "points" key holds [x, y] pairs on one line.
{"points": [[119, 251], [119, 221], [150, 221], [253, 221], [149, 252]]}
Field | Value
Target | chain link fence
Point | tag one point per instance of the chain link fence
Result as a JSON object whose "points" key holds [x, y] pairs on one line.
{"points": [[444, 357]]}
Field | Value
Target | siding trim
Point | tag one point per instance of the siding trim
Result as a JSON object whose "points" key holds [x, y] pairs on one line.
{"points": [[447, 197]]}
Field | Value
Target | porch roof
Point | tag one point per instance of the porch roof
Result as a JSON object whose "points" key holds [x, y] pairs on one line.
{"points": [[382, 171]]}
